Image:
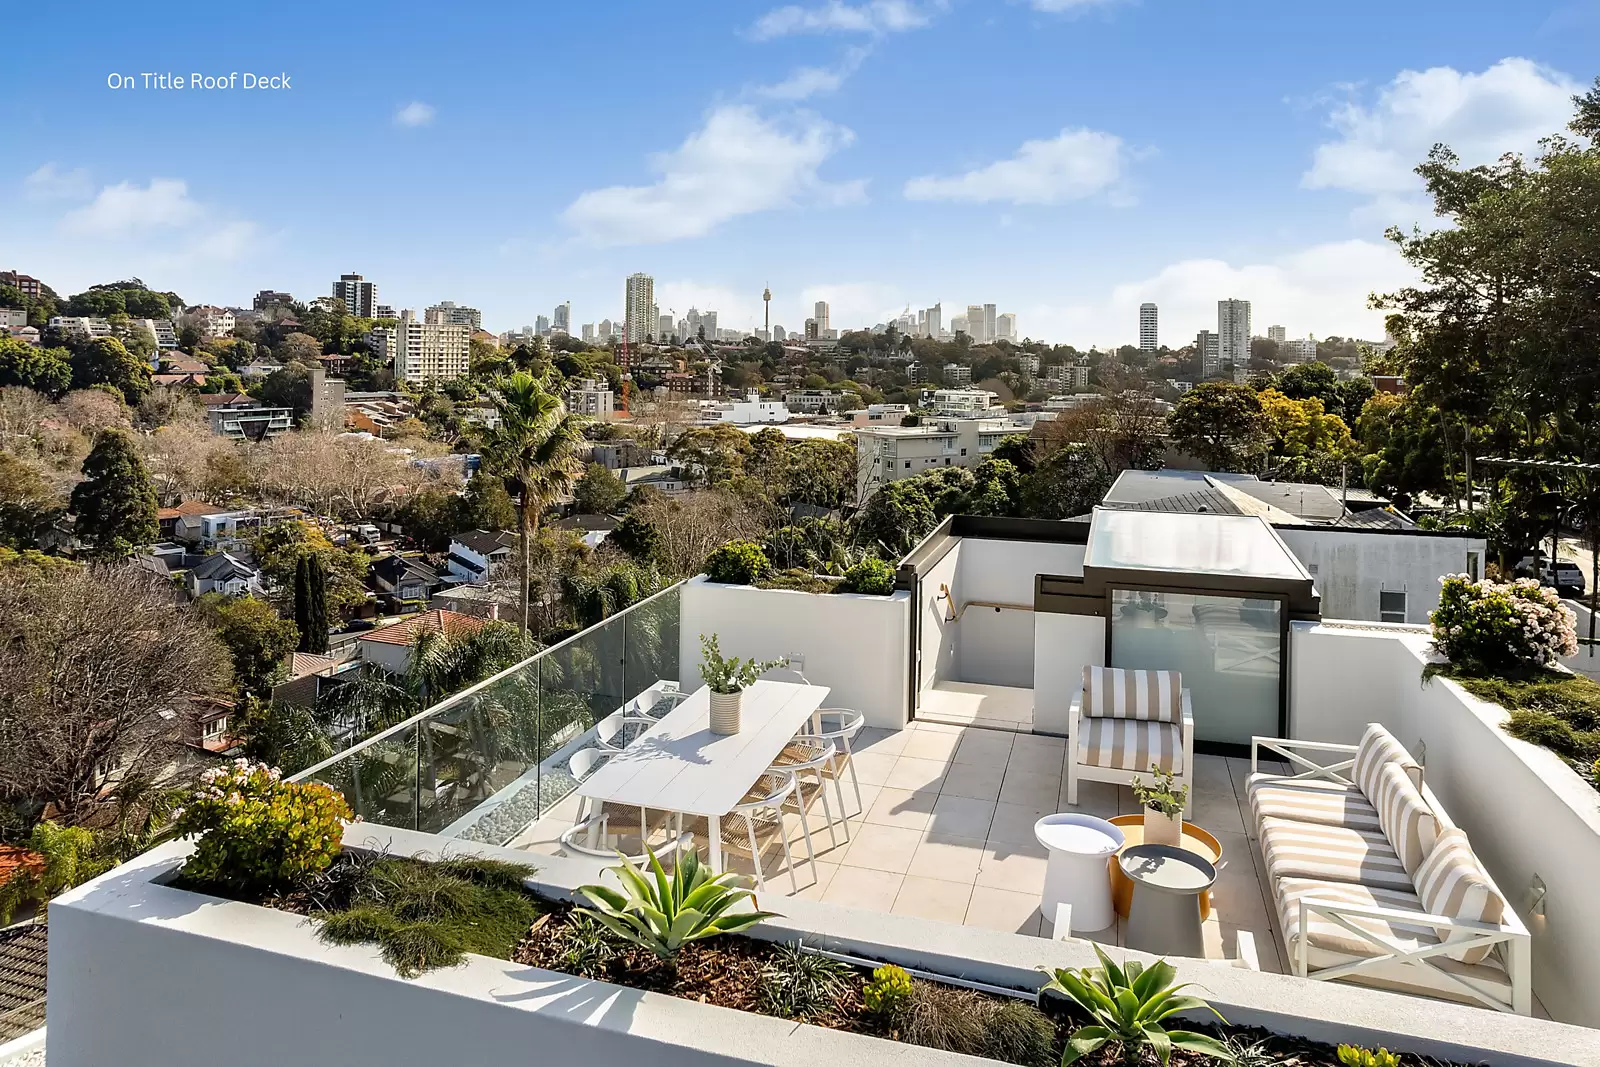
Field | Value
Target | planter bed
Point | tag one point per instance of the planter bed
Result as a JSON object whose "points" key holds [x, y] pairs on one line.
{"points": [[731, 971]]}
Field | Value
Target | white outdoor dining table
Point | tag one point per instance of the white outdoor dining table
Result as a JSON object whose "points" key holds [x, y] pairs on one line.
{"points": [[679, 765]]}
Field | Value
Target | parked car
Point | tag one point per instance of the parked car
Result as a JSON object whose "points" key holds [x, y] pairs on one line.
{"points": [[1563, 575]]}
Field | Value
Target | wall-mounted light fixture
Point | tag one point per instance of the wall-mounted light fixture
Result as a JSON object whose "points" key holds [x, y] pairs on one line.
{"points": [[1537, 892]]}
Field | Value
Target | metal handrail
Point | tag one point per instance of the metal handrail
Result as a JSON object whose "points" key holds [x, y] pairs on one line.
{"points": [[471, 691]]}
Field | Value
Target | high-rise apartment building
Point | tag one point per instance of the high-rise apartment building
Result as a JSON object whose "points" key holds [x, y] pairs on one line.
{"points": [[1148, 332], [541, 325], [449, 313], [708, 319], [30, 287], [359, 296], [935, 321], [1006, 328], [779, 334], [990, 323], [820, 313], [563, 318], [664, 327], [1207, 348], [430, 351], [588, 333], [638, 319], [607, 330], [267, 299], [1277, 333], [976, 325], [1233, 331]]}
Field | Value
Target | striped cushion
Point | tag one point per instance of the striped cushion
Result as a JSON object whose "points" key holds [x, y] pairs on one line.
{"points": [[1452, 884], [1323, 932], [1313, 800], [1130, 745], [1331, 854], [1407, 820], [1378, 746], [1114, 693]]}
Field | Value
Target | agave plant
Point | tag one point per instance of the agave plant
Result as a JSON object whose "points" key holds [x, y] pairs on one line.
{"points": [[1128, 1006], [664, 912]]}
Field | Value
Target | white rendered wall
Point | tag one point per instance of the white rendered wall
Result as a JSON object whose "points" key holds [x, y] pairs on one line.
{"points": [[1524, 810], [858, 646], [1063, 645], [936, 634], [1352, 568]]}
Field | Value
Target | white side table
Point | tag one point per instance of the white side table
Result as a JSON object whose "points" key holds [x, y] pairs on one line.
{"points": [[1079, 873]]}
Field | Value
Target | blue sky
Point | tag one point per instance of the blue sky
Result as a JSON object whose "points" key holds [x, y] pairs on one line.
{"points": [[1064, 159]]}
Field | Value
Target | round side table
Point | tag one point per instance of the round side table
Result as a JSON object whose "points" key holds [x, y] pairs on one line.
{"points": [[1080, 848], [1195, 840], [1164, 918]]}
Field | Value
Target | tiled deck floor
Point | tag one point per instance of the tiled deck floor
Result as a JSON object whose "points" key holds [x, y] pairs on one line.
{"points": [[947, 833]]}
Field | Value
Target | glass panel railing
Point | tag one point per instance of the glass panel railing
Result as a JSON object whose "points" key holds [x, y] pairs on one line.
{"points": [[490, 762]]}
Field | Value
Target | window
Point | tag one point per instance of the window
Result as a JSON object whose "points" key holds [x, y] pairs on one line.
{"points": [[908, 464], [1472, 565], [963, 451], [1391, 606], [947, 461]]}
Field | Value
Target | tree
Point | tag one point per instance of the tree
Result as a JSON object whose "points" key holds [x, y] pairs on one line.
{"points": [[897, 516], [115, 504], [599, 491], [106, 361], [279, 548], [533, 446], [1220, 423], [94, 662], [712, 454], [256, 637], [45, 370], [1067, 484], [637, 537], [486, 504], [27, 503], [311, 603], [299, 348]]}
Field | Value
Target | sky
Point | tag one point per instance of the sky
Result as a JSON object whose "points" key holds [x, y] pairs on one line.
{"points": [[1063, 159]]}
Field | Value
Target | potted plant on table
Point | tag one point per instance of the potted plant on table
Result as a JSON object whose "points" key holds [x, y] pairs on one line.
{"points": [[728, 679], [1163, 802]]}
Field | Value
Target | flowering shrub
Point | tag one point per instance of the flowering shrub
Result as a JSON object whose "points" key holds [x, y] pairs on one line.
{"points": [[737, 563], [258, 832], [1492, 626]]}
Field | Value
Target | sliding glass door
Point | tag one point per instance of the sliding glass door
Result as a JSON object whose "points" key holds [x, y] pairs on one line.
{"points": [[1229, 650]]}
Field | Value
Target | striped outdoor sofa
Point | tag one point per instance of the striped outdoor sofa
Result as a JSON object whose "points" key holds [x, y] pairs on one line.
{"points": [[1372, 881], [1124, 722]]}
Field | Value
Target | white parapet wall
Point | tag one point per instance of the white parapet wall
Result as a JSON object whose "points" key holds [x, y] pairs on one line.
{"points": [[1526, 812], [858, 646], [144, 973]]}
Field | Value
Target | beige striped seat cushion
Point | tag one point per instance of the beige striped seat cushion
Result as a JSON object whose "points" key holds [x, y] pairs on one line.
{"points": [[1408, 821], [1452, 884], [1378, 747], [1115, 693], [1331, 854], [1130, 745], [1313, 800]]}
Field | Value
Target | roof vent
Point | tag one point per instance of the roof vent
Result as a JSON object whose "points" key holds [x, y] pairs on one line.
{"points": [[1202, 507]]}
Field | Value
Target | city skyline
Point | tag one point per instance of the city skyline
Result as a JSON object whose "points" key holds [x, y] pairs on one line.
{"points": [[1071, 203]]}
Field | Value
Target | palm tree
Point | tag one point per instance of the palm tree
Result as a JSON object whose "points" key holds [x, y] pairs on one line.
{"points": [[533, 446]]}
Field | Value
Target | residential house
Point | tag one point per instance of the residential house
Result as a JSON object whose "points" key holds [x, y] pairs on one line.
{"points": [[390, 647], [249, 421], [402, 580], [223, 573], [207, 729], [181, 522], [312, 674], [476, 554]]}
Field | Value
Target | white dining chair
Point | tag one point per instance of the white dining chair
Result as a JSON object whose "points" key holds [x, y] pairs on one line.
{"points": [[620, 819], [805, 755], [617, 730], [609, 844], [841, 725], [755, 823], [654, 703]]}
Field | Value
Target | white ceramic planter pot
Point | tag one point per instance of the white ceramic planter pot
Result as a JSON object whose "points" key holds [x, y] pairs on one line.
{"points": [[1162, 829], [725, 708]]}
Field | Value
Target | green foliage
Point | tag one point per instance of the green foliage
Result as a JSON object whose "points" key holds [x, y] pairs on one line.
{"points": [[279, 548], [737, 563], [71, 855], [129, 298], [44, 370], [1128, 1006], [599, 491], [943, 1017], [258, 832], [106, 361], [730, 675], [1162, 794], [897, 516], [1355, 1056], [257, 639], [1554, 709], [1068, 484], [586, 948], [428, 915], [797, 984], [486, 505], [115, 503], [1014, 1032], [638, 537], [889, 992], [1489, 626], [800, 580], [311, 603], [28, 504], [1220, 423], [872, 576], [664, 912]]}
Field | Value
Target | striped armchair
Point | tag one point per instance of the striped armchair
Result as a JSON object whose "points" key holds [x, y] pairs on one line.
{"points": [[1123, 723]]}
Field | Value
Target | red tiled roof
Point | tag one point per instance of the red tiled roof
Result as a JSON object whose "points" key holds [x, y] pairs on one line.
{"points": [[15, 859], [189, 508], [407, 631]]}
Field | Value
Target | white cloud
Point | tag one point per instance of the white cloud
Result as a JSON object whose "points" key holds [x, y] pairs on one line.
{"points": [[51, 183], [1071, 166], [225, 241], [415, 113], [1322, 289], [875, 17], [852, 305], [807, 82], [1506, 108], [738, 163], [1068, 7], [125, 209]]}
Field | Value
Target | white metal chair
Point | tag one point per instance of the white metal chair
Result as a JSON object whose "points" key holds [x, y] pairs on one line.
{"points": [[654, 703], [621, 819], [753, 825], [1125, 721], [575, 841], [617, 730], [841, 725], [804, 755]]}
